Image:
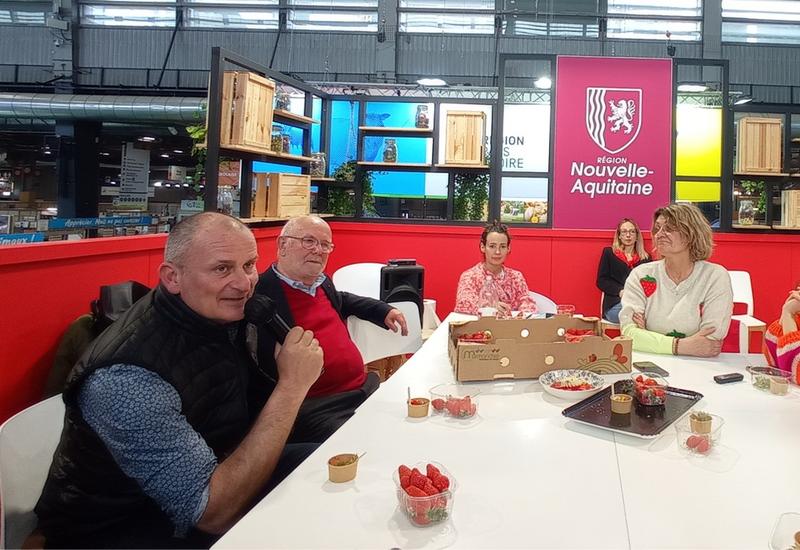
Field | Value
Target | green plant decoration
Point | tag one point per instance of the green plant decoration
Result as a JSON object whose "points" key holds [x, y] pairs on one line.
{"points": [[756, 188], [198, 134], [341, 201], [471, 196]]}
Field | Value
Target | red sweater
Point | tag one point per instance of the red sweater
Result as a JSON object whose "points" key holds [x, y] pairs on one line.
{"points": [[344, 367]]}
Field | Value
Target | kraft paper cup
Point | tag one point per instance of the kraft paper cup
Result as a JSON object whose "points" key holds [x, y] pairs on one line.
{"points": [[418, 407], [621, 403], [342, 468]]}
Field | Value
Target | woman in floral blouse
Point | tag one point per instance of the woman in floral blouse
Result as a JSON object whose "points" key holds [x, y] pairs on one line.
{"points": [[782, 341], [490, 283]]}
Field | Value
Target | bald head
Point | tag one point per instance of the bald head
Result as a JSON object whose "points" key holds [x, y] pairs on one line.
{"points": [[300, 255], [190, 229], [302, 223]]}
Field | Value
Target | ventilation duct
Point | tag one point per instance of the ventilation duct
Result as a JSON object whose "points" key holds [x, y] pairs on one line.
{"points": [[108, 108]]}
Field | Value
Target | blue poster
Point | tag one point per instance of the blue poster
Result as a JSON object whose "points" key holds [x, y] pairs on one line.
{"points": [[87, 223], [21, 238]]}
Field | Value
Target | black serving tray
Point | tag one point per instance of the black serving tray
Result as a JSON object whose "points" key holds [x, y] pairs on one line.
{"points": [[643, 420]]}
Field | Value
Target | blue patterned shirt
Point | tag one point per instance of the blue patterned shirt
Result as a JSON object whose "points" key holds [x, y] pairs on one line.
{"points": [[138, 416], [311, 290]]}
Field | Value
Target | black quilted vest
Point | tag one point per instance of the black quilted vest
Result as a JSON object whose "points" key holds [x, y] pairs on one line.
{"points": [[87, 500]]}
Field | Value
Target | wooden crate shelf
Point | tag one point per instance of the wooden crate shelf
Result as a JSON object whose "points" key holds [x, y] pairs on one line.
{"points": [[400, 164], [282, 195], [246, 110], [465, 135], [288, 115], [759, 145]]}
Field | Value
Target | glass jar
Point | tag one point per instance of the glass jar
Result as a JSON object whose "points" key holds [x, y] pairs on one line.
{"points": [[318, 164], [286, 143], [276, 142], [225, 200], [390, 150], [282, 101], [422, 120], [747, 212]]}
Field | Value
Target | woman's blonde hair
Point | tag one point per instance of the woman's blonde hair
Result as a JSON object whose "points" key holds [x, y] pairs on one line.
{"points": [[693, 226], [638, 246]]}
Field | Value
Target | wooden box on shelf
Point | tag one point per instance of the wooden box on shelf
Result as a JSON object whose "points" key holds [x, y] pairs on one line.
{"points": [[466, 133], [759, 145], [282, 195], [790, 208], [246, 119]]}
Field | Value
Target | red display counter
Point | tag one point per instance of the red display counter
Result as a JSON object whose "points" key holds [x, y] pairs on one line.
{"points": [[47, 285]]}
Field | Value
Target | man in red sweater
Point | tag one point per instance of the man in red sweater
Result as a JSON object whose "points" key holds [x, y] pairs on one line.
{"points": [[305, 296]]}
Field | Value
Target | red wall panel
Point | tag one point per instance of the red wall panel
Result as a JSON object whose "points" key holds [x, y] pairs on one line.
{"points": [[47, 285]]}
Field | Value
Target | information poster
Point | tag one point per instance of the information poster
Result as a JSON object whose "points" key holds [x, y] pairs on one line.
{"points": [[134, 178], [613, 140]]}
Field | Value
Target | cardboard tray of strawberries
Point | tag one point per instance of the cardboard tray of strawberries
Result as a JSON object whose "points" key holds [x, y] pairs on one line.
{"points": [[645, 421]]}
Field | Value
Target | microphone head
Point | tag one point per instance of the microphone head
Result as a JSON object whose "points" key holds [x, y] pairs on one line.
{"points": [[259, 309]]}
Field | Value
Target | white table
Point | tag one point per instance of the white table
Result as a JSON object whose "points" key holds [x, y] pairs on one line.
{"points": [[530, 478]]}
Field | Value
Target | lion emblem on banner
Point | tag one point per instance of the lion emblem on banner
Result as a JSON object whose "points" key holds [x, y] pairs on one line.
{"points": [[622, 115]]}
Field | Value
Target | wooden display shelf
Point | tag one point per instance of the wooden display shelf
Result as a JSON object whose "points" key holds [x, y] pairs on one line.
{"points": [[320, 178], [233, 149], [778, 174], [751, 226], [395, 130], [470, 166], [399, 164], [276, 219], [785, 228], [288, 115]]}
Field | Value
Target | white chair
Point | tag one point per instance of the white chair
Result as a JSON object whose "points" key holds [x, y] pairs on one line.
{"points": [[363, 279], [372, 341], [376, 342], [743, 293], [543, 303], [27, 443]]}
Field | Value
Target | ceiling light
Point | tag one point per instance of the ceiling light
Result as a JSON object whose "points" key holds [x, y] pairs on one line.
{"points": [[147, 139], [741, 100], [543, 83], [692, 87], [105, 154], [164, 156], [177, 151], [431, 82]]}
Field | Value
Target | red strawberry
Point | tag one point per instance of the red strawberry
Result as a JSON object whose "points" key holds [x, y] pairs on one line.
{"points": [[403, 470], [473, 409], [421, 519], [405, 481], [648, 285], [442, 483], [432, 472], [438, 404], [417, 479], [430, 489]]}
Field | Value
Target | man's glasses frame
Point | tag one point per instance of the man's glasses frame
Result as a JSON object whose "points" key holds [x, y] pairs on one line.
{"points": [[311, 243]]}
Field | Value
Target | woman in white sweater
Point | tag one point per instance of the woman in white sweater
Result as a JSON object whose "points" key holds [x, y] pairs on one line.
{"points": [[681, 304]]}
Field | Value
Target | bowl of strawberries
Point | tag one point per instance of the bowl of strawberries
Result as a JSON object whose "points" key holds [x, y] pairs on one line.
{"points": [[425, 492], [454, 400], [649, 389]]}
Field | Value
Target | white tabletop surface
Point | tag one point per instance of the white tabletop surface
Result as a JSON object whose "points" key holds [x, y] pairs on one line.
{"points": [[530, 478]]}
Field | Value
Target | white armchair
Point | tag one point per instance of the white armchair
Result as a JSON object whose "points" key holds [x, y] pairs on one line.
{"points": [[743, 293], [543, 303]]}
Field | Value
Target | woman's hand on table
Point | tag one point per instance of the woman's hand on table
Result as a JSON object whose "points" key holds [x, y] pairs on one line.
{"points": [[504, 309], [700, 344]]}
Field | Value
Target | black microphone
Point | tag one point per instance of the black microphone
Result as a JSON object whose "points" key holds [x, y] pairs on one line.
{"points": [[260, 310]]}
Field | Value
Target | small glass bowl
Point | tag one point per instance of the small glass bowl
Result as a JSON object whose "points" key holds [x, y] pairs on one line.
{"points": [[770, 380], [454, 400], [698, 443], [428, 510], [649, 389]]}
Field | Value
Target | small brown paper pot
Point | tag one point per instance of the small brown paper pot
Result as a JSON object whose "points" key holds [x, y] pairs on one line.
{"points": [[778, 385], [418, 411], [621, 403], [342, 468], [700, 426]]}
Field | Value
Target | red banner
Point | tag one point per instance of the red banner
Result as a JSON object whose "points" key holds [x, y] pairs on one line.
{"points": [[613, 142]]}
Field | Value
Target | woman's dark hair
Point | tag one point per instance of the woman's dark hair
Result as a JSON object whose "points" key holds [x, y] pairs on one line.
{"points": [[495, 227]]}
